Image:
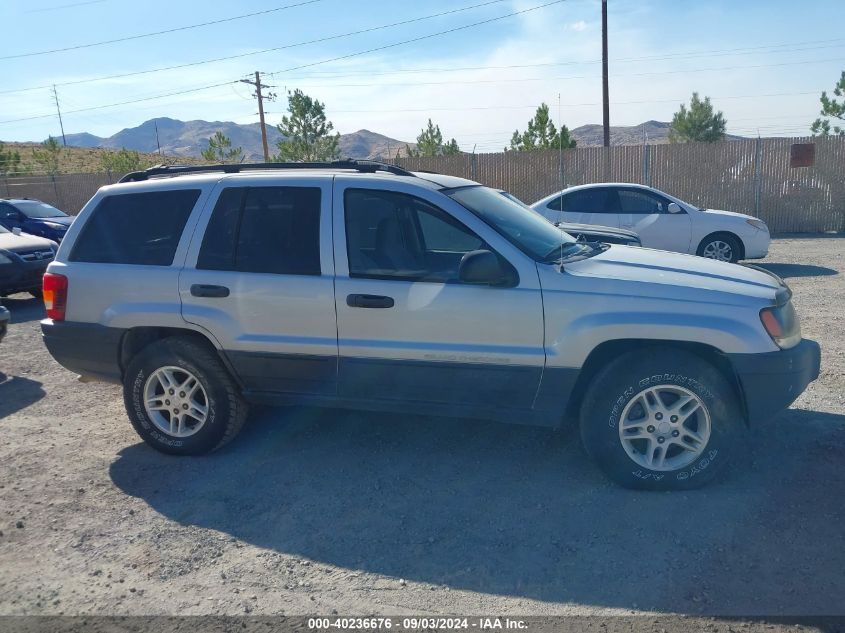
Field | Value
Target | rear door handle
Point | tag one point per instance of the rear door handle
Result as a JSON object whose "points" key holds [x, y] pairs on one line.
{"points": [[206, 290], [369, 301]]}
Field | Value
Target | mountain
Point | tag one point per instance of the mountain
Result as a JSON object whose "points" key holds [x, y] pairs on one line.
{"points": [[190, 138], [187, 139], [652, 132]]}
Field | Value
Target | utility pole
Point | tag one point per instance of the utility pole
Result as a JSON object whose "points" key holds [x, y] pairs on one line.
{"points": [[270, 96], [158, 143], [605, 95], [59, 110]]}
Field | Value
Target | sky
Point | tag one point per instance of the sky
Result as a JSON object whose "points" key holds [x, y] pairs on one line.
{"points": [[479, 69]]}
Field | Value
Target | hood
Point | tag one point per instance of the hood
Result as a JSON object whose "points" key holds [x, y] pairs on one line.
{"points": [[666, 270], [730, 213], [573, 227], [65, 220], [23, 242]]}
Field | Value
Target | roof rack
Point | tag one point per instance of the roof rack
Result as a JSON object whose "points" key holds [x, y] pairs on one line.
{"points": [[365, 166]]}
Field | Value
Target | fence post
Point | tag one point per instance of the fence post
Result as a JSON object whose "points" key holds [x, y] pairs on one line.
{"points": [[758, 176], [56, 190], [473, 166], [647, 165]]}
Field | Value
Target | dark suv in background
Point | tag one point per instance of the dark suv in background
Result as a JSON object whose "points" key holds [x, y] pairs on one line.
{"points": [[34, 217]]}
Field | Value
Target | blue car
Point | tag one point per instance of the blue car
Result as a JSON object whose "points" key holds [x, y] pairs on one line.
{"points": [[34, 217]]}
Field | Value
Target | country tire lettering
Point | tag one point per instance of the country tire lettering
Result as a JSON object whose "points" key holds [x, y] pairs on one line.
{"points": [[214, 411], [630, 427]]}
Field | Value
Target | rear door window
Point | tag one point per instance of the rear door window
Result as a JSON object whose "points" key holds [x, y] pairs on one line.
{"points": [[264, 230], [593, 200], [135, 228]]}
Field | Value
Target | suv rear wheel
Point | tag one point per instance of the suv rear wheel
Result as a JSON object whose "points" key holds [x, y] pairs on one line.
{"points": [[180, 398], [661, 419]]}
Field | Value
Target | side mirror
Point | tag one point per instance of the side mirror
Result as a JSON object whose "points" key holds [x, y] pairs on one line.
{"points": [[483, 267], [674, 207], [16, 230]]}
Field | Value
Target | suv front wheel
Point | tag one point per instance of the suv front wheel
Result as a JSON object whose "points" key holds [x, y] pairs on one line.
{"points": [[180, 398], [661, 419]]}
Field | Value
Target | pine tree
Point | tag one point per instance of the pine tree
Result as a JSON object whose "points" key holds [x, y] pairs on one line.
{"points": [[698, 123], [308, 135], [220, 150], [831, 109], [541, 134], [430, 143]]}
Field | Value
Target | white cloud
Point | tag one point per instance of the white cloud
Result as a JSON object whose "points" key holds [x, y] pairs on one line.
{"points": [[580, 25]]}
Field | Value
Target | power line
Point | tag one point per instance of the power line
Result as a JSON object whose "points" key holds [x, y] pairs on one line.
{"points": [[715, 53], [334, 74], [560, 77], [415, 39], [120, 103], [267, 50], [65, 6], [423, 109], [154, 33], [216, 85]]}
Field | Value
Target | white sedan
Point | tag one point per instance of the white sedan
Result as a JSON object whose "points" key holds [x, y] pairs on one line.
{"points": [[662, 221]]}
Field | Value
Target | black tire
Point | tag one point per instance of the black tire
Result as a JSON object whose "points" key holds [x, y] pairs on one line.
{"points": [[732, 241], [226, 409], [618, 384]]}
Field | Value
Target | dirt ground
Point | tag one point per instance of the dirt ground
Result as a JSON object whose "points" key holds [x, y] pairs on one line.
{"points": [[315, 512]]}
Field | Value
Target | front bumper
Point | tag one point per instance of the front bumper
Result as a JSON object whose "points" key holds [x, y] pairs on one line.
{"points": [[22, 276], [773, 380], [757, 244]]}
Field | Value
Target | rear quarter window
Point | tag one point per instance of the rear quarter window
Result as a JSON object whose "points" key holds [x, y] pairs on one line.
{"points": [[135, 228]]}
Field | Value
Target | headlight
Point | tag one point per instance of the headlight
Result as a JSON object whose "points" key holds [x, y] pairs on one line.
{"points": [[781, 322], [4, 259], [758, 224], [55, 226]]}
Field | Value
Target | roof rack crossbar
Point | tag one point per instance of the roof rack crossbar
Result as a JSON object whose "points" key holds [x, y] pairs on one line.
{"points": [[365, 166]]}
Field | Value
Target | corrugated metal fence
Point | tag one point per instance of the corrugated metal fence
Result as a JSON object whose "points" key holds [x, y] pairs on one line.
{"points": [[750, 176]]}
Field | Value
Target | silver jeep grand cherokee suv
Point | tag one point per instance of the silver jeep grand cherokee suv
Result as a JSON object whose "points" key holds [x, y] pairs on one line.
{"points": [[354, 284]]}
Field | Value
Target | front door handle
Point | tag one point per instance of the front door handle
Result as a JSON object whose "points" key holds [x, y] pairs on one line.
{"points": [[206, 290], [369, 301]]}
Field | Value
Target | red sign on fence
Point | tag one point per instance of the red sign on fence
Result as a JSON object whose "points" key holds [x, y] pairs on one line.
{"points": [[802, 155]]}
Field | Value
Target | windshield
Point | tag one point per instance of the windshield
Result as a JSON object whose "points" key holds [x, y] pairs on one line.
{"points": [[3, 229], [521, 226], [32, 209]]}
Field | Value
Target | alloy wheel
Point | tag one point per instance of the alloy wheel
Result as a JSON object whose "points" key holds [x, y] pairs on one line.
{"points": [[175, 401], [664, 428], [717, 249]]}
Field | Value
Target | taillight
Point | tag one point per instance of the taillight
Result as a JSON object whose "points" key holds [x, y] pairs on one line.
{"points": [[55, 296]]}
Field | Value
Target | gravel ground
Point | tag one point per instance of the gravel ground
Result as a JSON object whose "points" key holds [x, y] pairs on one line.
{"points": [[314, 512]]}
